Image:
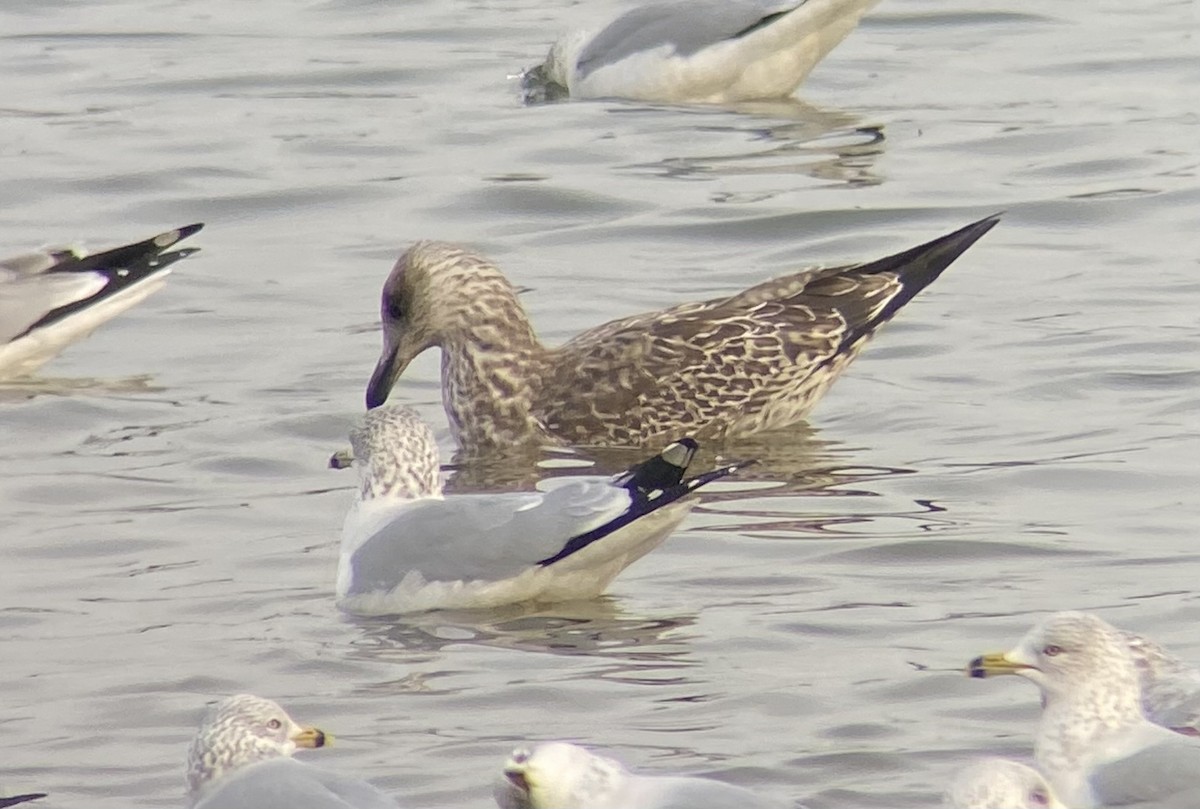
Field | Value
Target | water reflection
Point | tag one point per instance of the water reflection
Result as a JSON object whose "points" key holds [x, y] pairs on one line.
{"points": [[599, 627], [23, 389]]}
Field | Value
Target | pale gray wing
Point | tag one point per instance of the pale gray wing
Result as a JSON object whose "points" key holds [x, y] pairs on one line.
{"points": [[659, 792], [687, 26], [25, 300], [1161, 772], [483, 537], [285, 782]]}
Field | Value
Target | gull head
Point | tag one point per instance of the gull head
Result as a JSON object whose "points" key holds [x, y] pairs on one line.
{"points": [[555, 775], [239, 731], [998, 783], [1065, 654], [441, 295], [396, 455]]}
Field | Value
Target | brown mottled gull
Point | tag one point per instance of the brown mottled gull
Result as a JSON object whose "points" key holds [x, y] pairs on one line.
{"points": [[757, 360], [241, 758], [51, 298], [1094, 743]]}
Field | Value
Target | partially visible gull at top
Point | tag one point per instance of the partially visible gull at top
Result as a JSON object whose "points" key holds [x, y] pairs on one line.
{"points": [[754, 361], [702, 51], [241, 758], [406, 548], [51, 298], [1094, 744], [1000, 783], [559, 775]]}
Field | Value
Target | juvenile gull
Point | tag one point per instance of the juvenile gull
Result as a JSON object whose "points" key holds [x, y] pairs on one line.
{"points": [[558, 775], [52, 298], [1094, 743], [715, 51], [406, 548], [999, 783], [757, 360], [241, 758]]}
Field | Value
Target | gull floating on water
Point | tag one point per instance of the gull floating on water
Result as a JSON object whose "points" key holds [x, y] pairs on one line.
{"points": [[52, 298], [1094, 743], [999, 783], [757, 360], [715, 51], [406, 548], [241, 758], [558, 775]]}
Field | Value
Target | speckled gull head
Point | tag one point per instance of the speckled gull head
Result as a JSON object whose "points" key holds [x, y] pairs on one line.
{"points": [[999, 783], [442, 295], [396, 455], [1071, 655], [239, 731], [556, 775]]}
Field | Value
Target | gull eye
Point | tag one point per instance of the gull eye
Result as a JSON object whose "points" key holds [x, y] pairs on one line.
{"points": [[394, 310], [1050, 650], [274, 724], [1038, 797]]}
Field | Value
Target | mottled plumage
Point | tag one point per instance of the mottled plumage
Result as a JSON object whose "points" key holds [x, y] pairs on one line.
{"points": [[241, 758], [715, 51], [757, 360], [49, 299], [1094, 743], [998, 783]]}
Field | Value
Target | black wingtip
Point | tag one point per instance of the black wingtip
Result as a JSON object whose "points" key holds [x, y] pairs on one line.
{"points": [[662, 471], [13, 800]]}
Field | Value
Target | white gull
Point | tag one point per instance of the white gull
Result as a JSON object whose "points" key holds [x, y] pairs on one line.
{"points": [[715, 51], [406, 548], [1094, 743], [241, 758], [49, 299], [1000, 783], [559, 775]]}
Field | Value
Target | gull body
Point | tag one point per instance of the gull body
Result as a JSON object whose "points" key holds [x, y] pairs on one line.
{"points": [[714, 51], [559, 775], [999, 783], [407, 548], [50, 299], [754, 361], [241, 758], [1094, 743]]}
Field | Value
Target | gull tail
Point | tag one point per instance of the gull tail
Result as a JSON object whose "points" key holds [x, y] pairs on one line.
{"points": [[124, 267], [652, 485], [919, 267]]}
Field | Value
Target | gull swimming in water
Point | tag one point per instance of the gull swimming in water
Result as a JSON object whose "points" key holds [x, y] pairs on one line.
{"points": [[999, 783], [1094, 743], [406, 548], [714, 51], [49, 299], [753, 361], [241, 758], [558, 775]]}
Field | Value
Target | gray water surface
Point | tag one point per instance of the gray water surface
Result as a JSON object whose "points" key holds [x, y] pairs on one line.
{"points": [[1023, 438]]}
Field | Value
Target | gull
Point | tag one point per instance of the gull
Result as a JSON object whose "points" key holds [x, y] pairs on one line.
{"points": [[49, 299], [1000, 783], [406, 548], [712, 51], [241, 758], [725, 368], [1094, 743], [559, 775]]}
